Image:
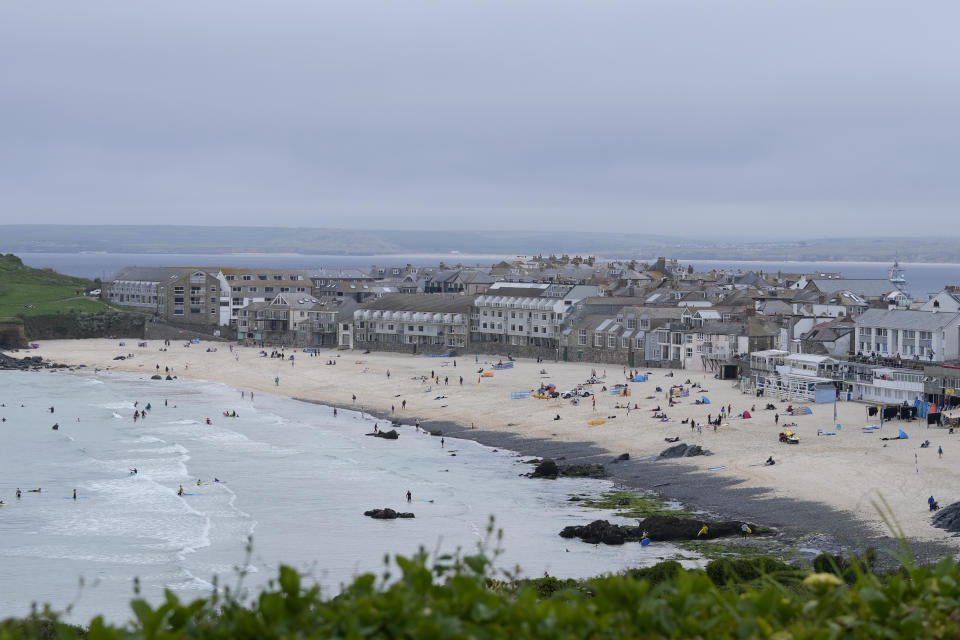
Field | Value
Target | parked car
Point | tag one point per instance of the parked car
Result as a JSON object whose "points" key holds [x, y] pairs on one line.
{"points": [[577, 392]]}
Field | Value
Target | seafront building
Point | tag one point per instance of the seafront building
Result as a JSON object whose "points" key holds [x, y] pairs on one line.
{"points": [[794, 335]]}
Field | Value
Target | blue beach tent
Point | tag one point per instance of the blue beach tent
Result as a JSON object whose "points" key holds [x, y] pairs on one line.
{"points": [[704, 399], [903, 435]]}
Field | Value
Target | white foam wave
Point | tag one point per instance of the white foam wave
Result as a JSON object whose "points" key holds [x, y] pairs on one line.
{"points": [[174, 448]]}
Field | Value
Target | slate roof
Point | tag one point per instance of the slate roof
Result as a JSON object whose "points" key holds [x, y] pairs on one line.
{"points": [[869, 287], [433, 303], [150, 274], [906, 319]]}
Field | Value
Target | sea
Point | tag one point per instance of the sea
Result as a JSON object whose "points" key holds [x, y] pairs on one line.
{"points": [[284, 482], [923, 278]]}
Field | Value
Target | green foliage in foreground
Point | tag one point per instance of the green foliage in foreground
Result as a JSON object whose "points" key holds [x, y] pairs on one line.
{"points": [[457, 598]]}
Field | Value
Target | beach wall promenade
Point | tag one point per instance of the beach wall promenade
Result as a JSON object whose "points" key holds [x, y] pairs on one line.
{"points": [[827, 484]]}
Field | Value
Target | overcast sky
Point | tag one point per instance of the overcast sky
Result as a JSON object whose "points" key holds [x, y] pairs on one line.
{"points": [[750, 118]]}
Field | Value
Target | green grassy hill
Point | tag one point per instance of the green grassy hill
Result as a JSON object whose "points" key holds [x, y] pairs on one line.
{"points": [[28, 291]]}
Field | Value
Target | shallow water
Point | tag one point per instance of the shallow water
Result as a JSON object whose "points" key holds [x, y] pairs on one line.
{"points": [[293, 476]]}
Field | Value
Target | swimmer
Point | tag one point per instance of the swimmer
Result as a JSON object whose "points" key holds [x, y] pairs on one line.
{"points": [[216, 479], [18, 493]]}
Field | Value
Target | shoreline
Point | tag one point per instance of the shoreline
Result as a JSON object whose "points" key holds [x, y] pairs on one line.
{"points": [[799, 525], [821, 490]]}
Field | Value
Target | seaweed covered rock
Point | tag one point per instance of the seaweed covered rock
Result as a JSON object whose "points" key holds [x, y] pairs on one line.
{"points": [[677, 528], [388, 435], [546, 469], [602, 531], [657, 528], [550, 469], [387, 514]]}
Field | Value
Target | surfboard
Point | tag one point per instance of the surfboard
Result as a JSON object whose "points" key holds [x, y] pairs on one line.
{"points": [[187, 493], [72, 498], [596, 422], [717, 468]]}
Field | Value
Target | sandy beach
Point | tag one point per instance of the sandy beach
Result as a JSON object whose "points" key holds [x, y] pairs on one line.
{"points": [[846, 473]]}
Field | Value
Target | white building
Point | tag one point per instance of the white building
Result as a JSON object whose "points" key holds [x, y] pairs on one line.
{"points": [[890, 386], [909, 333], [524, 314]]}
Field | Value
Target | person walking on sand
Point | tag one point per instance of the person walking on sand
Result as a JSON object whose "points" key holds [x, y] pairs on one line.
{"points": [[594, 403], [276, 381], [403, 404], [940, 451], [354, 398], [776, 418]]}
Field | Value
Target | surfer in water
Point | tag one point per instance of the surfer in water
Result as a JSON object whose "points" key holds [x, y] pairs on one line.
{"points": [[18, 493], [37, 490], [74, 494], [409, 495], [180, 491]]}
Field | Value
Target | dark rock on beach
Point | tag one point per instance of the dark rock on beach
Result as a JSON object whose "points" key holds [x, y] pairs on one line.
{"points": [[550, 469], [657, 528], [684, 450], [388, 435], [621, 458], [948, 518], [387, 514], [156, 376], [29, 363], [545, 469]]}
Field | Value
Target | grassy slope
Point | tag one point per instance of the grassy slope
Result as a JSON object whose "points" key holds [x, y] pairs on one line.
{"points": [[46, 291]]}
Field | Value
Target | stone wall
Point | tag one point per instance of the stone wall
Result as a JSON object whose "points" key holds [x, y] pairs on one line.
{"points": [[102, 324], [12, 336], [160, 330]]}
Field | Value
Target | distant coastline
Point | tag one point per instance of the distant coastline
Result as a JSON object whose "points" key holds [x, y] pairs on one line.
{"points": [[183, 239]]}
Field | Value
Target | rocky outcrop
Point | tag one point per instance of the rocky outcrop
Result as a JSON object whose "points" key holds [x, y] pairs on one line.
{"points": [[545, 469], [684, 450], [29, 363], [548, 468], [388, 435], [387, 514], [948, 518], [657, 528]]}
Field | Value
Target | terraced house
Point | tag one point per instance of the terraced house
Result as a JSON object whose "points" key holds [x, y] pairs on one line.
{"points": [[415, 323], [524, 318]]}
